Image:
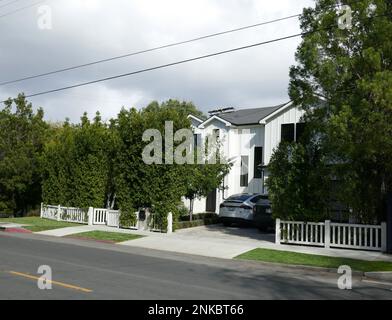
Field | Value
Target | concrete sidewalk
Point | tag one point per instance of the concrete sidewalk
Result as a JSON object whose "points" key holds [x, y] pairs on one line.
{"points": [[62, 232], [216, 241], [227, 243]]}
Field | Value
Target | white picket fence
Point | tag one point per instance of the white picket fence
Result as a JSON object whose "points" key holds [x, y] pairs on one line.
{"points": [[111, 218], [67, 214], [99, 216], [332, 235]]}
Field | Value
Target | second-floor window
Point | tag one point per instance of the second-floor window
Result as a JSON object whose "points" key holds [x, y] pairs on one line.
{"points": [[291, 132], [287, 132]]}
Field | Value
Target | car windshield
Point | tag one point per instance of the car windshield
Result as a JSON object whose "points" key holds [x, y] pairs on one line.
{"points": [[239, 198]]}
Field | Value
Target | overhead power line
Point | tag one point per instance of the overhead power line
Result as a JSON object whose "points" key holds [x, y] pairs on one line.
{"points": [[22, 8], [162, 66], [147, 50], [181, 62], [9, 3]]}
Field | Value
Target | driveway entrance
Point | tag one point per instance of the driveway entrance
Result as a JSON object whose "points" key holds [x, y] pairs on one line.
{"points": [[213, 241]]}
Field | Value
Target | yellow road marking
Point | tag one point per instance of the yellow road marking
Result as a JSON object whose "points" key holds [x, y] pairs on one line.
{"points": [[65, 285]]}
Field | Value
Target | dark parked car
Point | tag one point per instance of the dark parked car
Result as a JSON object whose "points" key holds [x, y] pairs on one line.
{"points": [[262, 214]]}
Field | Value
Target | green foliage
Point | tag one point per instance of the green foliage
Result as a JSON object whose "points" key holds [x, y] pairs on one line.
{"points": [[156, 186], [36, 224], [304, 259], [351, 71], [195, 223], [76, 164], [106, 236], [128, 216], [22, 136], [201, 179], [184, 108], [298, 183], [96, 164], [146, 186]]}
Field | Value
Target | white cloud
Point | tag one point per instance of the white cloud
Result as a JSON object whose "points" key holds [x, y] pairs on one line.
{"points": [[86, 30]]}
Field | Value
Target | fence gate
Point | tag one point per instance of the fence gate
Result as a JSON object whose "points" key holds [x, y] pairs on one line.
{"points": [[113, 218], [99, 216]]}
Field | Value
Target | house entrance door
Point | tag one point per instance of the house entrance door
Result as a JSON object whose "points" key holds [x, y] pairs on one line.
{"points": [[211, 201]]}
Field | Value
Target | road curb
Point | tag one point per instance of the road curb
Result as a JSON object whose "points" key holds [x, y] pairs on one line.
{"points": [[382, 276], [14, 230], [301, 267]]}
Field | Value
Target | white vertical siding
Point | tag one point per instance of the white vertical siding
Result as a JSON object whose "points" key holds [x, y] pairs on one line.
{"points": [[273, 129]]}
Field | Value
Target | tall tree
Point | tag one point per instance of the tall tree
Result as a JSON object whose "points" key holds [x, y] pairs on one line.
{"points": [[351, 70], [139, 184], [22, 136], [76, 164]]}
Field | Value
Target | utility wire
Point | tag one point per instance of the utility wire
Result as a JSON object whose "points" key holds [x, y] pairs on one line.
{"points": [[179, 62], [9, 3], [148, 50], [163, 66], [22, 8]]}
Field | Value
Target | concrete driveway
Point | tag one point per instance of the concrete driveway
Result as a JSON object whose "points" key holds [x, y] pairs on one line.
{"points": [[216, 232], [212, 241]]}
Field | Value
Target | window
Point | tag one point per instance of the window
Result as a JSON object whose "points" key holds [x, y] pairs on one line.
{"points": [[287, 133], [239, 198], [257, 162], [217, 134], [300, 128], [196, 138], [255, 199], [244, 171]]}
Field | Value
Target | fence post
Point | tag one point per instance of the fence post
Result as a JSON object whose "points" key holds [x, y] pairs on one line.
{"points": [[384, 237], [41, 212], [327, 234], [59, 213], [90, 215], [170, 223], [277, 231]]}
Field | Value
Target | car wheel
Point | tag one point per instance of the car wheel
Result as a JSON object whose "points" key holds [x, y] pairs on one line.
{"points": [[227, 224]]}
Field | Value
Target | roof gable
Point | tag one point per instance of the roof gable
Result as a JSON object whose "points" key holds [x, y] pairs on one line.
{"points": [[248, 116]]}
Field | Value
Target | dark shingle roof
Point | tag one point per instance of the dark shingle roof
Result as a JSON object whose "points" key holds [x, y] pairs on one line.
{"points": [[248, 116]]}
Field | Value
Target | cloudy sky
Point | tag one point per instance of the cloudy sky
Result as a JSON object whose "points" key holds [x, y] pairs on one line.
{"points": [[87, 30]]}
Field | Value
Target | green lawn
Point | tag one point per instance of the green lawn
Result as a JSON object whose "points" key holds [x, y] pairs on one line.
{"points": [[36, 224], [106, 236], [293, 258]]}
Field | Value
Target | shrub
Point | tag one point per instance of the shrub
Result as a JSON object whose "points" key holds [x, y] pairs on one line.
{"points": [[203, 219], [128, 217]]}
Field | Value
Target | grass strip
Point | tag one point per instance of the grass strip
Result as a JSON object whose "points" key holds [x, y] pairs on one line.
{"points": [[304, 259]]}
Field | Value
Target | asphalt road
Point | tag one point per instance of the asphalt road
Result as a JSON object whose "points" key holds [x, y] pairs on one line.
{"points": [[91, 270]]}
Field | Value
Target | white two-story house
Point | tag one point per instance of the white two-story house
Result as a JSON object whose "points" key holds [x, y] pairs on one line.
{"points": [[248, 138]]}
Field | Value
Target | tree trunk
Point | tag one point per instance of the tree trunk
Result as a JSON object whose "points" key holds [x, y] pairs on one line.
{"points": [[191, 202], [389, 222], [113, 202]]}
